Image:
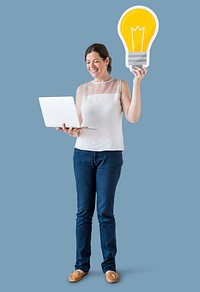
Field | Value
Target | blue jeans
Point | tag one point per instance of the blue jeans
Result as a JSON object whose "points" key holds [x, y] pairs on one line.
{"points": [[97, 175]]}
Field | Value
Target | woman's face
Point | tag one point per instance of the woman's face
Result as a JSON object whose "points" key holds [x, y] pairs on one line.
{"points": [[96, 65]]}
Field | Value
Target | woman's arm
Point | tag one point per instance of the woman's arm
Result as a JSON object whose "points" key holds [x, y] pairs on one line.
{"points": [[132, 106], [79, 96]]}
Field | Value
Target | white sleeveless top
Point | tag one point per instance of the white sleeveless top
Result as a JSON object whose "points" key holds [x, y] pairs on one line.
{"points": [[101, 109]]}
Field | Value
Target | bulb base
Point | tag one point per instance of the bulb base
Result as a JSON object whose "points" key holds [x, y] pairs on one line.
{"points": [[137, 59]]}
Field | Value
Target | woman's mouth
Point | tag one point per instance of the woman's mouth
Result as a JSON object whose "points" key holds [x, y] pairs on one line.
{"points": [[94, 71]]}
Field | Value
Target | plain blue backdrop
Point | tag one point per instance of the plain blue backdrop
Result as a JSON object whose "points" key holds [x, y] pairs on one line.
{"points": [[157, 200]]}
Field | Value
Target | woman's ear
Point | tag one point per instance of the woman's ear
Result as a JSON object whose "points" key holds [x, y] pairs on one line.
{"points": [[107, 61]]}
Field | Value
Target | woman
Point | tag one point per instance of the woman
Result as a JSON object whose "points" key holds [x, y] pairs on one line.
{"points": [[98, 155]]}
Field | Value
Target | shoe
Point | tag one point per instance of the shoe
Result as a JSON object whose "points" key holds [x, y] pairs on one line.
{"points": [[76, 276], [112, 277]]}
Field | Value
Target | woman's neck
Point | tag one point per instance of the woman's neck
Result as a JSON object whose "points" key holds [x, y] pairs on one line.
{"points": [[103, 79]]}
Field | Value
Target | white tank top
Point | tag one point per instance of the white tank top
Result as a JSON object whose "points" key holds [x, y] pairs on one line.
{"points": [[101, 109]]}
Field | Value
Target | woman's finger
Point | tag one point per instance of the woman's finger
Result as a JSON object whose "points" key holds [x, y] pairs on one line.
{"points": [[134, 72], [64, 127], [144, 70], [70, 131], [139, 70]]}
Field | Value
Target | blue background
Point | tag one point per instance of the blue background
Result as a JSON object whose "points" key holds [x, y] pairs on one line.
{"points": [[157, 201]]}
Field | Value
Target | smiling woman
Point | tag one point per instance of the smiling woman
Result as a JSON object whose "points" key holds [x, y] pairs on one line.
{"points": [[98, 155], [98, 60]]}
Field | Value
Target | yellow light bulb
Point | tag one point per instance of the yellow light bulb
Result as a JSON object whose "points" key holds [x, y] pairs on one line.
{"points": [[137, 28]]}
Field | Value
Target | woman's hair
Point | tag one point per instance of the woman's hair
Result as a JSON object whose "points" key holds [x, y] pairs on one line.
{"points": [[102, 51]]}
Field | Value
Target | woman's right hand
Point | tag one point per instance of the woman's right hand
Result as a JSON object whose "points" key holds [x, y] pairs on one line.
{"points": [[73, 132]]}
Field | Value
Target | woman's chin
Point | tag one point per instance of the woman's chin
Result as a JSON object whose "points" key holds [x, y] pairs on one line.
{"points": [[94, 75]]}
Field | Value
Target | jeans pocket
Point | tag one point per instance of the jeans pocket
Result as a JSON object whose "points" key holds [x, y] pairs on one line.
{"points": [[113, 159]]}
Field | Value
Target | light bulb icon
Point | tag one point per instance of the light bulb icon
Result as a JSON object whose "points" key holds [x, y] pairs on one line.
{"points": [[137, 28]]}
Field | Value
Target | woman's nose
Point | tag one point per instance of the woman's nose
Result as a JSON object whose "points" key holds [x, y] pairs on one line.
{"points": [[92, 64]]}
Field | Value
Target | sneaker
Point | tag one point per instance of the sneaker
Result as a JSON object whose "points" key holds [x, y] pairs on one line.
{"points": [[76, 276], [112, 277]]}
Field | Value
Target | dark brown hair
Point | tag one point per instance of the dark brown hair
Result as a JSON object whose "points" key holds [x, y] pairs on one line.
{"points": [[102, 51]]}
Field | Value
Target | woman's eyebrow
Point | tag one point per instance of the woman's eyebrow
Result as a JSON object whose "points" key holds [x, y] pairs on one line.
{"points": [[92, 60]]}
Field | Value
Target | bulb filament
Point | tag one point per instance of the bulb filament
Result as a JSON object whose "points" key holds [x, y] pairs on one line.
{"points": [[137, 35]]}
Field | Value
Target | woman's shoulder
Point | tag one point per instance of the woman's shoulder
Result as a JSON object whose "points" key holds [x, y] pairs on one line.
{"points": [[83, 85], [82, 89], [122, 81]]}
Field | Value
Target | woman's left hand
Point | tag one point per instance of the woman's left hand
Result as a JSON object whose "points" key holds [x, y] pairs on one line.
{"points": [[73, 132], [139, 72]]}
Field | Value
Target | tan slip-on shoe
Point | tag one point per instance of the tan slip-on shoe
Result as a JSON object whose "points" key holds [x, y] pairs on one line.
{"points": [[112, 277], [76, 276]]}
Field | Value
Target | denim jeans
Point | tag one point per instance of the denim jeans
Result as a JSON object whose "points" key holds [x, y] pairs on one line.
{"points": [[97, 175]]}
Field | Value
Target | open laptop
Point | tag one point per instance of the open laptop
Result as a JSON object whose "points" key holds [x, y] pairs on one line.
{"points": [[57, 110]]}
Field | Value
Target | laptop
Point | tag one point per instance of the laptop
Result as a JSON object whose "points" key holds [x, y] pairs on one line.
{"points": [[57, 110]]}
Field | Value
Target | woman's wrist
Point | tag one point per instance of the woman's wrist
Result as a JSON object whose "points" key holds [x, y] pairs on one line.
{"points": [[77, 133], [136, 81], [74, 133]]}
